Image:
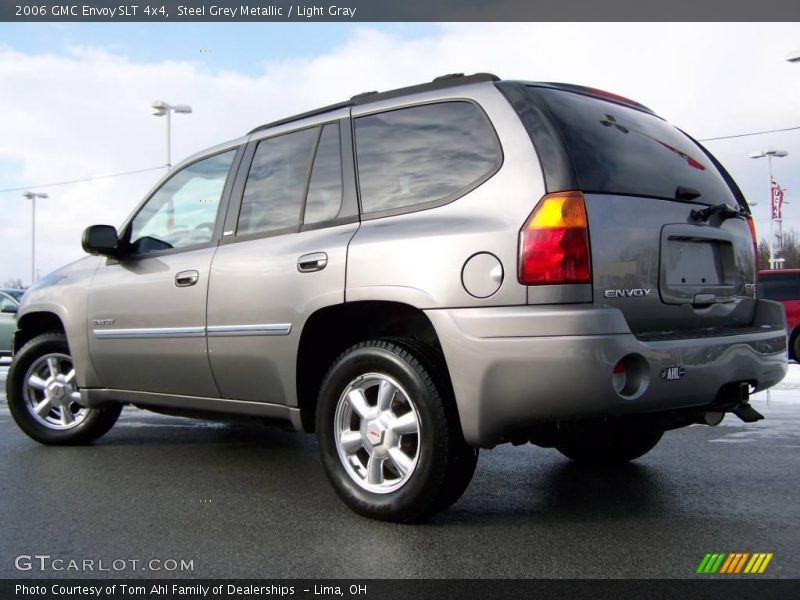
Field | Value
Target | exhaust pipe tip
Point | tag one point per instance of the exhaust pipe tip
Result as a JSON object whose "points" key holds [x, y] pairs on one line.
{"points": [[712, 418]]}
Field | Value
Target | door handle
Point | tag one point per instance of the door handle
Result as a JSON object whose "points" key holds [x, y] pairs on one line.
{"points": [[308, 263], [187, 278]]}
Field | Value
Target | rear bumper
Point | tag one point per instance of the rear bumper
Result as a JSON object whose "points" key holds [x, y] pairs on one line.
{"points": [[517, 366]]}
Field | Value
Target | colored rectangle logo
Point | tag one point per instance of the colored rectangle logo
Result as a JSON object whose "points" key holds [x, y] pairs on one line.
{"points": [[734, 563]]}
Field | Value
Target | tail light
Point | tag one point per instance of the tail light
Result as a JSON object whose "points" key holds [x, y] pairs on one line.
{"points": [[752, 225], [554, 242]]}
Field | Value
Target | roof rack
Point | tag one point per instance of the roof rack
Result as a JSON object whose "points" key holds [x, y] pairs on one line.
{"points": [[442, 82]]}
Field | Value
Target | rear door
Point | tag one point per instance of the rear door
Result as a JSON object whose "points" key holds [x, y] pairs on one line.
{"points": [[282, 257]]}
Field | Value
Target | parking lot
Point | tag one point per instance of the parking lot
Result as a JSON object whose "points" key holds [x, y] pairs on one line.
{"points": [[248, 501]]}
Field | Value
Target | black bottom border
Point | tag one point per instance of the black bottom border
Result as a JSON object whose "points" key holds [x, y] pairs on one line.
{"points": [[390, 589]]}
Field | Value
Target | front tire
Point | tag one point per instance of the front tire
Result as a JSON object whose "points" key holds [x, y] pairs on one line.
{"points": [[794, 353], [389, 436], [43, 396]]}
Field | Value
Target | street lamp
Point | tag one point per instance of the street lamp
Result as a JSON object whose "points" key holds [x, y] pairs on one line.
{"points": [[162, 108], [769, 154], [32, 196]]}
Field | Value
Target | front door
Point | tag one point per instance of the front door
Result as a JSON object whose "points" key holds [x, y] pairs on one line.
{"points": [[147, 310]]}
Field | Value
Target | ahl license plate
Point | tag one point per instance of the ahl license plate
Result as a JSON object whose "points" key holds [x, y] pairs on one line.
{"points": [[672, 373]]}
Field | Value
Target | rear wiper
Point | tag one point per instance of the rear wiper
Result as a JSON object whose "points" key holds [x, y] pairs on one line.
{"points": [[686, 193], [723, 210]]}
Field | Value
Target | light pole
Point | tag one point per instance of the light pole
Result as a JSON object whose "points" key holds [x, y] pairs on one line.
{"points": [[162, 108], [32, 196], [769, 154]]}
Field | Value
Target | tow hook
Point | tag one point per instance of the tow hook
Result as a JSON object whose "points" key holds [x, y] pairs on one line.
{"points": [[747, 413]]}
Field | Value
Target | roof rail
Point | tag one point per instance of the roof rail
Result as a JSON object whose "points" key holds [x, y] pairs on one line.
{"points": [[442, 82], [445, 81]]}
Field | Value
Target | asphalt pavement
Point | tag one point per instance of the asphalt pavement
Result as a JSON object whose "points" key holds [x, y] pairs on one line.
{"points": [[249, 501]]}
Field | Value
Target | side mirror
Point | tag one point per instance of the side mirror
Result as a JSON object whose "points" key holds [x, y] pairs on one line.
{"points": [[100, 239]]}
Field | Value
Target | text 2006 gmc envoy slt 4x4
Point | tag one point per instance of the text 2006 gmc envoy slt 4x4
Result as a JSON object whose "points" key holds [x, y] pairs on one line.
{"points": [[413, 275]]}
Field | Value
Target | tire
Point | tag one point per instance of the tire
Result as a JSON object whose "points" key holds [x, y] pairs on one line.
{"points": [[794, 352], [388, 432], [42, 376], [608, 445]]}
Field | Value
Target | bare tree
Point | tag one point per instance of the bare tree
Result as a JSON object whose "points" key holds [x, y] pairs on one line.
{"points": [[790, 251], [15, 284]]}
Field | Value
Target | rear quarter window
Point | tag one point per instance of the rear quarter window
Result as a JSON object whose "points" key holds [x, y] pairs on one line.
{"points": [[423, 156]]}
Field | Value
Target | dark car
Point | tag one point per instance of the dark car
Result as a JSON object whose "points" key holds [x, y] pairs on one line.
{"points": [[14, 293], [783, 285], [8, 311]]}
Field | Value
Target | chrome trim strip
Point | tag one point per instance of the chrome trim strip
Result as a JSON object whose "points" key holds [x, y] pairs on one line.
{"points": [[184, 332], [240, 330], [152, 332]]}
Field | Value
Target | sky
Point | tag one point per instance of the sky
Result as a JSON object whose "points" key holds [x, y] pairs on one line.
{"points": [[75, 98]]}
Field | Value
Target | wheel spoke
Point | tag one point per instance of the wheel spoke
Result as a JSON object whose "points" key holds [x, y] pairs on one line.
{"points": [[401, 461], [375, 470], [43, 407], [69, 376], [406, 423], [66, 415], [358, 402], [75, 396], [36, 382], [52, 365], [386, 393], [351, 441]]}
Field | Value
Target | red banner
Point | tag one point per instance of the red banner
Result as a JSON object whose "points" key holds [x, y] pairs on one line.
{"points": [[777, 201]]}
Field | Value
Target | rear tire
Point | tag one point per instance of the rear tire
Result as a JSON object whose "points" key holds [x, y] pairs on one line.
{"points": [[388, 433], [794, 351], [609, 445], [43, 397]]}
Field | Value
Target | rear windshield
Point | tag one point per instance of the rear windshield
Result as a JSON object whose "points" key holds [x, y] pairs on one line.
{"points": [[621, 150]]}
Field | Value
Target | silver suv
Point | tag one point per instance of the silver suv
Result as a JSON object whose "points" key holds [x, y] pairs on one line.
{"points": [[414, 275]]}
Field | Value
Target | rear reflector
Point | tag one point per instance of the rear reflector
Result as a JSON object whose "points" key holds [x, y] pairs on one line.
{"points": [[554, 242]]}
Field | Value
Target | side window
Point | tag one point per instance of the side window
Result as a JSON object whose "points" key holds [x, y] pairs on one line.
{"points": [[7, 304], [324, 200], [779, 286], [273, 194], [184, 210], [422, 154]]}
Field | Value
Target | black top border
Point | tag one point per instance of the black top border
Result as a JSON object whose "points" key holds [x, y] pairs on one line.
{"points": [[396, 11]]}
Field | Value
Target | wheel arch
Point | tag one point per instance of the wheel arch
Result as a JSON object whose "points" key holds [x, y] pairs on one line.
{"points": [[331, 330], [36, 323], [51, 318]]}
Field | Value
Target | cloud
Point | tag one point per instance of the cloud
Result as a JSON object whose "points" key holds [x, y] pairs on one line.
{"points": [[86, 111]]}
